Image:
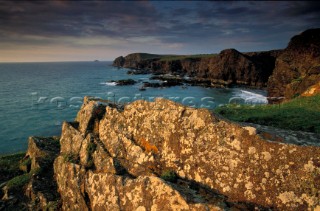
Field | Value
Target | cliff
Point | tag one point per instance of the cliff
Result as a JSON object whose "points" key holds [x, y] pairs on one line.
{"points": [[286, 73], [164, 156], [298, 67], [230, 67]]}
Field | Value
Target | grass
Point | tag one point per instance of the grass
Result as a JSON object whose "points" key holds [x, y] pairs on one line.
{"points": [[70, 157], [181, 57], [169, 176], [90, 150], [146, 56], [9, 166], [21, 180], [26, 162], [301, 113], [11, 162], [52, 205]]}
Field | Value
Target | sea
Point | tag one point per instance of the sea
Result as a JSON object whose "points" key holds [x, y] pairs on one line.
{"points": [[35, 98]]}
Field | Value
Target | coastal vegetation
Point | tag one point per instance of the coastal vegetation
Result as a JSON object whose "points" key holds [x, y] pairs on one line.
{"points": [[169, 175], [9, 166], [181, 57], [21, 180], [172, 57], [301, 113]]}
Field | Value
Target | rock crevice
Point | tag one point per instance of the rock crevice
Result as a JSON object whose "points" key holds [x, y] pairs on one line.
{"points": [[164, 156]]}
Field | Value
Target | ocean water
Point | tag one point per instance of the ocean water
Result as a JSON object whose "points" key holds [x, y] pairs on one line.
{"points": [[35, 98]]}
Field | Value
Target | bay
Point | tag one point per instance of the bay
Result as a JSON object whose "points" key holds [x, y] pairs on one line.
{"points": [[35, 98]]}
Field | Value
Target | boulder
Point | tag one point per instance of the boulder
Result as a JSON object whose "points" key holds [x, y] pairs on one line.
{"points": [[215, 164]]}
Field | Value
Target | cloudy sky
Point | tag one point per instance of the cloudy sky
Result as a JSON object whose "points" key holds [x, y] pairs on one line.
{"points": [[88, 30]]}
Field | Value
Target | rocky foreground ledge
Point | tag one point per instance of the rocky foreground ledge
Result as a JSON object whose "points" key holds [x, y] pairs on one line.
{"points": [[164, 156]]}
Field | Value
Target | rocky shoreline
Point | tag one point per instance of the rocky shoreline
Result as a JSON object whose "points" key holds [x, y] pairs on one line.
{"points": [[254, 71], [285, 73], [163, 156]]}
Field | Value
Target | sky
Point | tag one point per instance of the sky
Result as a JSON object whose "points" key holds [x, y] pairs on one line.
{"points": [[60, 30]]}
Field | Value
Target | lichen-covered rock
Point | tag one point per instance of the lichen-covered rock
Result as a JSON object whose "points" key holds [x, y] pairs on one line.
{"points": [[81, 190], [217, 154], [208, 163], [41, 147], [41, 189], [91, 109], [70, 179], [71, 139], [142, 193]]}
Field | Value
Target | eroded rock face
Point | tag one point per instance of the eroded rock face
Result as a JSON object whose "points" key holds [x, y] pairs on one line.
{"points": [[312, 90], [297, 68], [119, 61], [217, 164], [227, 68], [41, 190]]}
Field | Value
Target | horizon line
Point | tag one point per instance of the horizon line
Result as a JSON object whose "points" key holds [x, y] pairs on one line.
{"points": [[4, 62]]}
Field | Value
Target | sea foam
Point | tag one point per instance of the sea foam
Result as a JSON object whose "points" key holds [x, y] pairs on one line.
{"points": [[109, 83], [252, 97]]}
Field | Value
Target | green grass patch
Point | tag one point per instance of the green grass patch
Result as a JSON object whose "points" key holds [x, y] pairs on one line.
{"points": [[146, 56], [72, 158], [91, 148], [169, 176], [181, 57], [52, 205], [9, 166], [21, 180], [301, 113], [296, 80], [171, 57], [11, 162], [26, 162]]}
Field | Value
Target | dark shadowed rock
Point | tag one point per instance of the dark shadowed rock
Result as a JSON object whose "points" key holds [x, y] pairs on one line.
{"points": [[36, 189], [297, 68], [119, 61], [124, 82], [227, 68]]}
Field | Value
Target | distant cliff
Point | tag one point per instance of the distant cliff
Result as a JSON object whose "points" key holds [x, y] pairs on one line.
{"points": [[286, 73], [298, 67], [230, 67]]}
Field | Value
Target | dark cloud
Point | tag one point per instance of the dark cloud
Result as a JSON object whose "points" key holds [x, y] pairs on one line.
{"points": [[74, 18], [190, 25], [302, 8]]}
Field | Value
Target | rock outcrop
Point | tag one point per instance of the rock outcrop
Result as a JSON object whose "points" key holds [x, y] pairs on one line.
{"points": [[230, 67], [286, 73], [297, 68], [312, 90], [164, 156], [36, 189], [118, 160]]}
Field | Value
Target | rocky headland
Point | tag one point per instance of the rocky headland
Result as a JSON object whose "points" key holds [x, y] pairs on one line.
{"points": [[285, 73], [229, 67], [298, 67], [163, 156]]}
